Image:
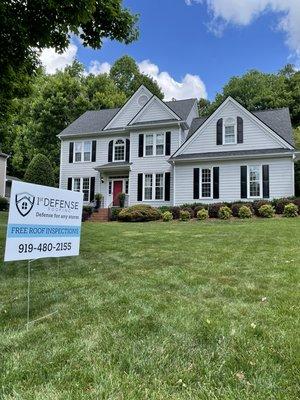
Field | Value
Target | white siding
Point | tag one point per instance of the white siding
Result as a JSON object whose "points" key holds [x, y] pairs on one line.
{"points": [[255, 137], [130, 109], [154, 111], [280, 176], [155, 164]]}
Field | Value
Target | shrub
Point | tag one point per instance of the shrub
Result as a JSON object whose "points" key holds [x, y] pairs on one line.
{"points": [[139, 213], [257, 204], [279, 204], [175, 212], [224, 212], [40, 171], [122, 197], [213, 210], [163, 209], [114, 212], [167, 216], [87, 211], [202, 214], [235, 208], [290, 210], [296, 201], [245, 212], [98, 199], [266, 211], [198, 208], [189, 210], [3, 204], [185, 215]]}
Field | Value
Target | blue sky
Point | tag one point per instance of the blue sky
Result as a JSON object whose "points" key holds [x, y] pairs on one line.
{"points": [[194, 47]]}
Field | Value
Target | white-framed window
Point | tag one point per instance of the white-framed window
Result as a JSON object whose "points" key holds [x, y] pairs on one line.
{"points": [[154, 186], [82, 185], [254, 180], [229, 131], [154, 144], [206, 183], [119, 150], [82, 151]]}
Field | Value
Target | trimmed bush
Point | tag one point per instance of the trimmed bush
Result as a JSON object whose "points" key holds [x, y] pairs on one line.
{"points": [[213, 210], [139, 213], [185, 215], [167, 216], [245, 212], [202, 214], [40, 171], [235, 208], [224, 212], [175, 212], [122, 197], [163, 209], [114, 212], [279, 204], [87, 211], [290, 210], [198, 208], [189, 210], [266, 211], [257, 204], [3, 204]]}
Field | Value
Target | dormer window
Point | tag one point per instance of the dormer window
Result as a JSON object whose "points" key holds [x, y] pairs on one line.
{"points": [[229, 131], [119, 150]]}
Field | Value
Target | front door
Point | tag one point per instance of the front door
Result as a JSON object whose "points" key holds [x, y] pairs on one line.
{"points": [[117, 189]]}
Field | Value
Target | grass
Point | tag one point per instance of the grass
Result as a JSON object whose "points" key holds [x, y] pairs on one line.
{"points": [[198, 310]]}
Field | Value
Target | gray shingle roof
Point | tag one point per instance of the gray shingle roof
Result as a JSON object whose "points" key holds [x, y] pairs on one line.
{"points": [[95, 121], [278, 120], [223, 154]]}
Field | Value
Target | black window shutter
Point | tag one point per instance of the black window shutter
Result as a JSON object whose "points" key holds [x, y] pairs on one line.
{"points": [[69, 183], [220, 131], [110, 150], [216, 178], [71, 151], [168, 144], [243, 182], [127, 150], [240, 130], [141, 145], [94, 147], [140, 187], [92, 189], [167, 186], [196, 183], [266, 182]]}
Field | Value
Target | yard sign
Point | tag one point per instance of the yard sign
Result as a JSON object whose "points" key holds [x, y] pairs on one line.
{"points": [[42, 222]]}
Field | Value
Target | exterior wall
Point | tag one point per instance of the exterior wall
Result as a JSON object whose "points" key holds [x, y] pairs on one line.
{"points": [[255, 137], [280, 177], [2, 175], [152, 164], [154, 112]]}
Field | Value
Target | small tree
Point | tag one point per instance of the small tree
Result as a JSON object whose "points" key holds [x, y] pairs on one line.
{"points": [[40, 171]]}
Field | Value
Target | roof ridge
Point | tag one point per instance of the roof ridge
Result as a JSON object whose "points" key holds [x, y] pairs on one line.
{"points": [[271, 109]]}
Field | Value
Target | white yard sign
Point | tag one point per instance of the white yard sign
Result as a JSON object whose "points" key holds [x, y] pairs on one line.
{"points": [[42, 222]]}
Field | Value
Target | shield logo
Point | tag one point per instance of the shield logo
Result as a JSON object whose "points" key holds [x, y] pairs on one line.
{"points": [[24, 203]]}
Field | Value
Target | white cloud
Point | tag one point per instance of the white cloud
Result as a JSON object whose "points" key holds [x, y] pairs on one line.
{"points": [[53, 61], [243, 12], [97, 68], [189, 86]]}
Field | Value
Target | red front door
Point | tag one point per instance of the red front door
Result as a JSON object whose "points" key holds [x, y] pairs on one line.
{"points": [[117, 189]]}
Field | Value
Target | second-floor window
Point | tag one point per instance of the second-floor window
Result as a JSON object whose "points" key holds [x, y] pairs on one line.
{"points": [[230, 131], [83, 151], [119, 150], [154, 144]]}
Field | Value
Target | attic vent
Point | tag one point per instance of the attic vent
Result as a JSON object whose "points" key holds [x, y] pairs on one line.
{"points": [[142, 100]]}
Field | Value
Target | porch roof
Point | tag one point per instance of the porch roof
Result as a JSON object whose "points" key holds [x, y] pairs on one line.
{"points": [[114, 166]]}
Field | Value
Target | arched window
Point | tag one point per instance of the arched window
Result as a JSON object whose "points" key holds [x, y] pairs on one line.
{"points": [[119, 150], [230, 131]]}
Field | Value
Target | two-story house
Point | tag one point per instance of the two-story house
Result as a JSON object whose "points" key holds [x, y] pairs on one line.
{"points": [[162, 153]]}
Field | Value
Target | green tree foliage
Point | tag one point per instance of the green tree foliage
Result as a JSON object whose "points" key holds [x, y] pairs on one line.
{"points": [[126, 75], [29, 26], [40, 171]]}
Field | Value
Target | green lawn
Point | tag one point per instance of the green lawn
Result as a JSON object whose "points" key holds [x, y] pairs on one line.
{"points": [[158, 311]]}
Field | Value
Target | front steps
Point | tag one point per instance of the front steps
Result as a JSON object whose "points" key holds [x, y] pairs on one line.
{"points": [[102, 215]]}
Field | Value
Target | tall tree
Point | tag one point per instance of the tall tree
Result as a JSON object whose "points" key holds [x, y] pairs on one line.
{"points": [[29, 26], [128, 78]]}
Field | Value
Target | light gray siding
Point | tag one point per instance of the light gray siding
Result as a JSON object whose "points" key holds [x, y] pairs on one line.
{"points": [[255, 137], [280, 176], [154, 112]]}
